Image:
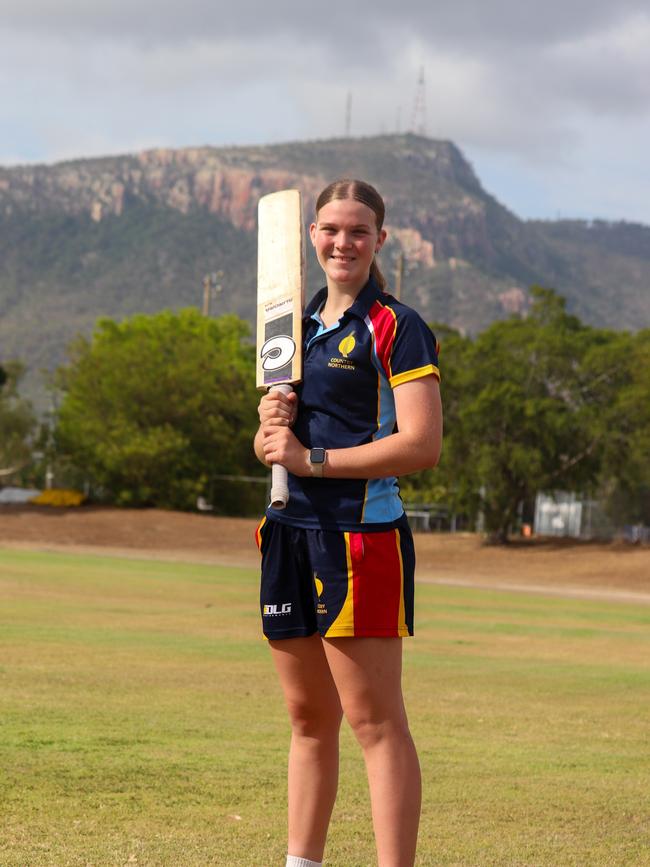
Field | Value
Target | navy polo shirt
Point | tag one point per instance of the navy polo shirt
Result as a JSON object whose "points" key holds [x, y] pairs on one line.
{"points": [[346, 399]]}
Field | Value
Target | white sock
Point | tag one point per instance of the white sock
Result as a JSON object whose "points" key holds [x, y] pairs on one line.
{"points": [[294, 861]]}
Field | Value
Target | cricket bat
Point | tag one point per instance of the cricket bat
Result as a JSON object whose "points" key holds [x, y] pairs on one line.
{"points": [[280, 300]]}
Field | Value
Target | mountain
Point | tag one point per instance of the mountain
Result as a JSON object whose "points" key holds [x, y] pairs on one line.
{"points": [[118, 235]]}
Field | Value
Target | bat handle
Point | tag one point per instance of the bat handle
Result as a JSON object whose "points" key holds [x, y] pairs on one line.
{"points": [[279, 475]]}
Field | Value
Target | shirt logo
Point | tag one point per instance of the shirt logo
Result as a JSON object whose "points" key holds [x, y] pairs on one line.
{"points": [[347, 345]]}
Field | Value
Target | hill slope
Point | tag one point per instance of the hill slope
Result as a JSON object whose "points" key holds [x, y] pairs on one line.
{"points": [[118, 235]]}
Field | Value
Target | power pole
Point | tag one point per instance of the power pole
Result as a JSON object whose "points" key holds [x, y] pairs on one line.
{"points": [[399, 273], [419, 123], [348, 114], [211, 286]]}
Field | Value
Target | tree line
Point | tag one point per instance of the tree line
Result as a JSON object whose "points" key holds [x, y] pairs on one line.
{"points": [[157, 410]]}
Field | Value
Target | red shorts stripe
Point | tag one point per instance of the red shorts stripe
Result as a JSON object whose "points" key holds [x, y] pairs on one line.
{"points": [[377, 579]]}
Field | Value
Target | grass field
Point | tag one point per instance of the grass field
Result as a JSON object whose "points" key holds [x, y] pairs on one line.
{"points": [[141, 723]]}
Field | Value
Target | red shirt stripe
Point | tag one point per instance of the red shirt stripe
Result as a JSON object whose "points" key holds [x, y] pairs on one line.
{"points": [[384, 323]]}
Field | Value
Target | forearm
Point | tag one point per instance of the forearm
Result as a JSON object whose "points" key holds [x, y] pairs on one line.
{"points": [[415, 446], [395, 455]]}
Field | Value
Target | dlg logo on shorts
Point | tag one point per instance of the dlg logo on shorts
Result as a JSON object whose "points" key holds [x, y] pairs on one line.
{"points": [[277, 609]]}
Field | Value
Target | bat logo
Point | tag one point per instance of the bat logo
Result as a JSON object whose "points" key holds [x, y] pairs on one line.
{"points": [[277, 352]]}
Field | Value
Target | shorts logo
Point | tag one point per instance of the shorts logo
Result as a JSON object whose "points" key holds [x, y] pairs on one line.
{"points": [[277, 609], [321, 608]]}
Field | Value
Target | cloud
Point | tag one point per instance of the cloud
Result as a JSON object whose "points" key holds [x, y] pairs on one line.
{"points": [[506, 79], [459, 23]]}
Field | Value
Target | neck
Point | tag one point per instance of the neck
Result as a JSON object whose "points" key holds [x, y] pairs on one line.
{"points": [[340, 296]]}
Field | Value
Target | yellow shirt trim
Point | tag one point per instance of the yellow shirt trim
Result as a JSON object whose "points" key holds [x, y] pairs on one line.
{"points": [[416, 373]]}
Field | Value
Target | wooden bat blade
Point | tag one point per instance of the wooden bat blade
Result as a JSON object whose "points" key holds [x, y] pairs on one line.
{"points": [[280, 289], [280, 299]]}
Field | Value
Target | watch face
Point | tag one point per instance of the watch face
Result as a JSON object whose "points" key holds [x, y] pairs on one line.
{"points": [[317, 456]]}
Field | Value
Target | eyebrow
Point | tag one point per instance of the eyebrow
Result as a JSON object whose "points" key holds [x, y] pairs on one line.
{"points": [[331, 225]]}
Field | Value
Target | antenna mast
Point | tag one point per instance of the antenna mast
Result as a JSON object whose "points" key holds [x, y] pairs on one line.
{"points": [[419, 123]]}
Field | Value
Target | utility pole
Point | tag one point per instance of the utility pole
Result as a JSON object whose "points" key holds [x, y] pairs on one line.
{"points": [[399, 272], [211, 286]]}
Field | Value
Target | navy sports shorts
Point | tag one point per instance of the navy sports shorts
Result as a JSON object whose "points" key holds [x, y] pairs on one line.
{"points": [[336, 583]]}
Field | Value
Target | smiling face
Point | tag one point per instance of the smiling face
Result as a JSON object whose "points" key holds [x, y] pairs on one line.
{"points": [[346, 238]]}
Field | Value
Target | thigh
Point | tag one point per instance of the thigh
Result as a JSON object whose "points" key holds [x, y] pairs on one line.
{"points": [[367, 673], [307, 683]]}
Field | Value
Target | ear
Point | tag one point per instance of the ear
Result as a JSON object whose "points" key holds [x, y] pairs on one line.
{"points": [[381, 237], [312, 233]]}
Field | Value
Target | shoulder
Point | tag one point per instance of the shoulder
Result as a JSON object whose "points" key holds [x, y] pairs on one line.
{"points": [[406, 318]]}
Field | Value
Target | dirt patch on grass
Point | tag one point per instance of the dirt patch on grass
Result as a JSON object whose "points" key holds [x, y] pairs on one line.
{"points": [[459, 559]]}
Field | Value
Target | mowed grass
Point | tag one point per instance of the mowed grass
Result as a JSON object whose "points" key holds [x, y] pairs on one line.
{"points": [[141, 723]]}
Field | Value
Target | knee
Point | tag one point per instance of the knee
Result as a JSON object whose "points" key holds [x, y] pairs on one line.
{"points": [[372, 730], [314, 721]]}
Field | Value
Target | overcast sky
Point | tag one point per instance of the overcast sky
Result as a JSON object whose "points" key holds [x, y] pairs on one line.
{"points": [[550, 102]]}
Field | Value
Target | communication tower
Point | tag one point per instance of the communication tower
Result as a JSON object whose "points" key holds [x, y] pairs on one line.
{"points": [[348, 114], [419, 123]]}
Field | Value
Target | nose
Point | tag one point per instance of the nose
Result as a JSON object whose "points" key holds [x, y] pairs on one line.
{"points": [[343, 240]]}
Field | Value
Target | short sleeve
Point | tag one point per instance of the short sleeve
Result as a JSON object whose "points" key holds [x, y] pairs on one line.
{"points": [[415, 349]]}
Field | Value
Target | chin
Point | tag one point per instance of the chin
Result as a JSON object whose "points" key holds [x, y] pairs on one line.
{"points": [[343, 275]]}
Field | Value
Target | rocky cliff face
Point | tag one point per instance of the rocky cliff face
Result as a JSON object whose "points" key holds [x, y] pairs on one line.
{"points": [[181, 180], [229, 183], [118, 235]]}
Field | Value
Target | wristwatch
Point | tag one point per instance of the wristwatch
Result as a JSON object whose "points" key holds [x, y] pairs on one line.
{"points": [[317, 461]]}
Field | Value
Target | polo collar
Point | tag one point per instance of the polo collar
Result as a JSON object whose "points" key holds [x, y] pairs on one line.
{"points": [[361, 306]]}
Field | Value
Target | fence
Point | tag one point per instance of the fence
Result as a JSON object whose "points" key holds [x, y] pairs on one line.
{"points": [[567, 514]]}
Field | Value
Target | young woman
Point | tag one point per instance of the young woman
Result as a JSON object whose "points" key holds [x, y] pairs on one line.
{"points": [[338, 562]]}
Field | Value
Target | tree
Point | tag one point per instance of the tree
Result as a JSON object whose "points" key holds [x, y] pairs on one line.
{"points": [[540, 404], [625, 475], [525, 410], [156, 406], [16, 422]]}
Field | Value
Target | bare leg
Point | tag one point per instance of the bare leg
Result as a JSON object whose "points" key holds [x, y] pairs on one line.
{"points": [[315, 713], [367, 673]]}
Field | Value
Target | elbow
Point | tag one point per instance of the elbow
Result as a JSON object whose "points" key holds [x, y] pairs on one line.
{"points": [[431, 452], [432, 460], [427, 456]]}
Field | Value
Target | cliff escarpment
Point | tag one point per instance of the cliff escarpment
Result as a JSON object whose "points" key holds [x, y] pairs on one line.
{"points": [[122, 234]]}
